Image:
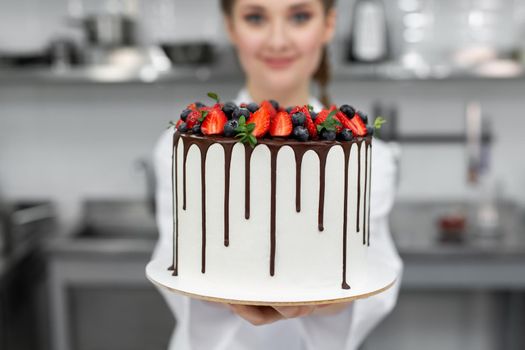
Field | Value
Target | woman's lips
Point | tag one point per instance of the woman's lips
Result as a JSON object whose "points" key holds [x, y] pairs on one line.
{"points": [[278, 63]]}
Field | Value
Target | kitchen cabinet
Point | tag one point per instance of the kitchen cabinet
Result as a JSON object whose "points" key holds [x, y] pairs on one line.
{"points": [[100, 297]]}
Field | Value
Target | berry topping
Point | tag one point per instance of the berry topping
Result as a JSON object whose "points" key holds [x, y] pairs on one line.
{"points": [[229, 108], [349, 111], [310, 126], [275, 104], [183, 127], [230, 126], [184, 114], [196, 129], [328, 135], [298, 119], [199, 104], [312, 130], [369, 130], [355, 124], [300, 133], [194, 117], [289, 110], [360, 126], [281, 124], [214, 121], [313, 115], [261, 118], [364, 116], [241, 111], [252, 107], [346, 135], [327, 120]]}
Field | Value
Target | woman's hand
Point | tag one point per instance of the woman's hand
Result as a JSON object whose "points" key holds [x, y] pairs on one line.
{"points": [[261, 315]]}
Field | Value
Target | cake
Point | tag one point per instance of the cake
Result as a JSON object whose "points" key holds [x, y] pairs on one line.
{"points": [[267, 198]]}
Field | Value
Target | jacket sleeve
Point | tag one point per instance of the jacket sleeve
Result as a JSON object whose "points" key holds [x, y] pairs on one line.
{"points": [[348, 329]]}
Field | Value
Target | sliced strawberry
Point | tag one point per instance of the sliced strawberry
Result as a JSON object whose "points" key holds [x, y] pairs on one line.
{"points": [[179, 122], [214, 122], [321, 117], [359, 124], [193, 107], [261, 118], [355, 123], [281, 124], [193, 118]]}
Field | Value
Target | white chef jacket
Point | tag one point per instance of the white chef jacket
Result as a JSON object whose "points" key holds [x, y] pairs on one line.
{"points": [[205, 326]]}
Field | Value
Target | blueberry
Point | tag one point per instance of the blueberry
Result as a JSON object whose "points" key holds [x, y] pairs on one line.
{"points": [[289, 109], [185, 114], [275, 104], [241, 111], [363, 116], [346, 135], [369, 130], [229, 108], [229, 127], [253, 107], [199, 104], [183, 127], [348, 110], [196, 129], [298, 119], [300, 133], [328, 135], [313, 115]]}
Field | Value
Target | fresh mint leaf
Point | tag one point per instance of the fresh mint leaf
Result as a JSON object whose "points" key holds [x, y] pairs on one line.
{"points": [[330, 123], [203, 116], [214, 96], [378, 122]]}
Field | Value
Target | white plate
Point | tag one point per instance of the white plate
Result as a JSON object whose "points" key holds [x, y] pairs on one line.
{"points": [[381, 277]]}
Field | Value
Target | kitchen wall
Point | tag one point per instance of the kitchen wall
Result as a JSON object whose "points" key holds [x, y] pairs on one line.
{"points": [[69, 142]]}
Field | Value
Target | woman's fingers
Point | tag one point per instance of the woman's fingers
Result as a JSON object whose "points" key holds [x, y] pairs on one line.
{"points": [[294, 311], [256, 315]]}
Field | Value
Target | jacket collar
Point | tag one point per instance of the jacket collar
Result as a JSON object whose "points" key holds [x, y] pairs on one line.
{"points": [[244, 97]]}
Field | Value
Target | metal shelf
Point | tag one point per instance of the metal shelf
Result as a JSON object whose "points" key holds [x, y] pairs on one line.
{"points": [[220, 73]]}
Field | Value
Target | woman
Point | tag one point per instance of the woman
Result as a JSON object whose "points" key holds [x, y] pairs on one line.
{"points": [[281, 47]]}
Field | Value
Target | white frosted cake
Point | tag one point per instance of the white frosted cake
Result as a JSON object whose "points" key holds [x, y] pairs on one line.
{"points": [[286, 213]]}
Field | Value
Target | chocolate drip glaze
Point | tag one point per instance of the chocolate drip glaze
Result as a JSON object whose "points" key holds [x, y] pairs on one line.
{"points": [[369, 144], [273, 170], [299, 153], [204, 152], [227, 162], [186, 147], [321, 148], [175, 203], [322, 153], [247, 159], [346, 150], [364, 194], [358, 185]]}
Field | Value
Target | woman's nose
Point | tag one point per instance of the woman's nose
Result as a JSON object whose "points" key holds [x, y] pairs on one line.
{"points": [[277, 37]]}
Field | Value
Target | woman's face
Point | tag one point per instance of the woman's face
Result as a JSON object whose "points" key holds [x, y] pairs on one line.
{"points": [[280, 42]]}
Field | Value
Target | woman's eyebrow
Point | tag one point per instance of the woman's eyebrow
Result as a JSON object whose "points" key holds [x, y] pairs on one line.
{"points": [[251, 7], [300, 5]]}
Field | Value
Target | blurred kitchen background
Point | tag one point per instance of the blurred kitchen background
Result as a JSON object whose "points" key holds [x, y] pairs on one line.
{"points": [[87, 86]]}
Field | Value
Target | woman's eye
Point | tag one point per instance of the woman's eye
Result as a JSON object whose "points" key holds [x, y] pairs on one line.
{"points": [[301, 17], [254, 18]]}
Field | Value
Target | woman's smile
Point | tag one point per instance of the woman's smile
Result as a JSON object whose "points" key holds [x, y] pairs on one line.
{"points": [[278, 62]]}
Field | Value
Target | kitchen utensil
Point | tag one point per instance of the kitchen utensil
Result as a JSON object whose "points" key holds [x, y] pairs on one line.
{"points": [[368, 36], [108, 30], [189, 52]]}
